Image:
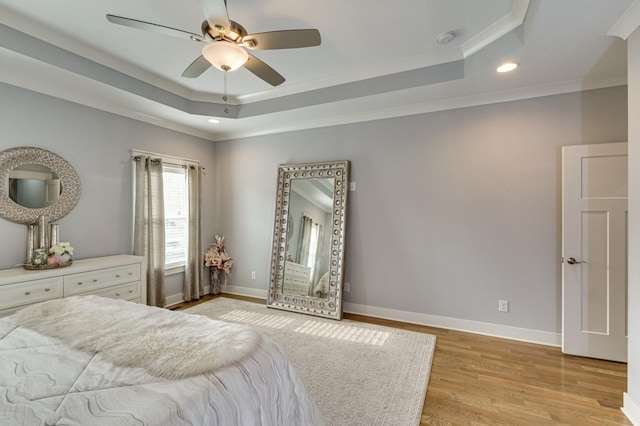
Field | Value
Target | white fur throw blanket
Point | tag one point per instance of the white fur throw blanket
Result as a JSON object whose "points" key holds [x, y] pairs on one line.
{"points": [[166, 343]]}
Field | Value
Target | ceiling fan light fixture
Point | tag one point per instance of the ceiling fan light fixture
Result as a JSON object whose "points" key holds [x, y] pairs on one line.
{"points": [[224, 55]]}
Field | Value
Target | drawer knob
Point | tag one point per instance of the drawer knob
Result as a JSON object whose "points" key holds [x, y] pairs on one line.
{"points": [[117, 275], [130, 273], [79, 282], [95, 280], [118, 294], [26, 293], [47, 289], [130, 291]]}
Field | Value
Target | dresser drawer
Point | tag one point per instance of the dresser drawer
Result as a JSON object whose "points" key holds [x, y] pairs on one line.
{"points": [[125, 291], [100, 278], [29, 292], [297, 270], [296, 290]]}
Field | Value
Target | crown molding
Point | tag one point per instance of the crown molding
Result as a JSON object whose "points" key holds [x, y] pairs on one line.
{"points": [[628, 22], [503, 26]]}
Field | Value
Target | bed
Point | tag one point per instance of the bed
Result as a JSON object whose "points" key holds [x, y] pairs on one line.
{"points": [[89, 360]]}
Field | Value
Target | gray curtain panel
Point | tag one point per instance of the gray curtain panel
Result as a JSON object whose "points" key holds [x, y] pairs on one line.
{"points": [[148, 228], [193, 287]]}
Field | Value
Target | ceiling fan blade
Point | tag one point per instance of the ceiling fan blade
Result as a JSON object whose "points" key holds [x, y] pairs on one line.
{"points": [[263, 71], [197, 67], [215, 11], [286, 39], [156, 28]]}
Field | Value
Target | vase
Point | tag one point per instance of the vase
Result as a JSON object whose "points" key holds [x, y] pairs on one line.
{"points": [[30, 243], [39, 257], [215, 281], [54, 234], [44, 231]]}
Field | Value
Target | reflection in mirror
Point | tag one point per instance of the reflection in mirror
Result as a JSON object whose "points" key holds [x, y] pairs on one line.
{"points": [[34, 186], [310, 206], [308, 249]]}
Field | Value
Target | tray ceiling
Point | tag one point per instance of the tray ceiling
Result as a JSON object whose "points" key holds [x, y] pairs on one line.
{"points": [[377, 59]]}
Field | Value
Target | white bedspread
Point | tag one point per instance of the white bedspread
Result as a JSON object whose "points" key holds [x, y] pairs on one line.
{"points": [[44, 382]]}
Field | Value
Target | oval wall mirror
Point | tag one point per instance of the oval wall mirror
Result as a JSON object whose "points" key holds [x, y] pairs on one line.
{"points": [[36, 182], [309, 235]]}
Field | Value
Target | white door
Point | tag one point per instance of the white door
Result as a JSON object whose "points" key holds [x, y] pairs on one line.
{"points": [[594, 251]]}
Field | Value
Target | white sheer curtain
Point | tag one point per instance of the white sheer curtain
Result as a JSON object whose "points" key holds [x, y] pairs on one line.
{"points": [[193, 288], [304, 240], [148, 227], [309, 245]]}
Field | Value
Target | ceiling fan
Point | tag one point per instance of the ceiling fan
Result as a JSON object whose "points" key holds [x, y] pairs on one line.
{"points": [[225, 42]]}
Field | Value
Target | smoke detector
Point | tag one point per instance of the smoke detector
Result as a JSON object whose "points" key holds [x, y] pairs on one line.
{"points": [[445, 37]]}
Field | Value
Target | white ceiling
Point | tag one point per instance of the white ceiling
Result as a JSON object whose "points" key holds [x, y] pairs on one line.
{"points": [[377, 58]]}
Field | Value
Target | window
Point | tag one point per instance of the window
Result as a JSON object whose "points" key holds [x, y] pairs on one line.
{"points": [[176, 215], [175, 183]]}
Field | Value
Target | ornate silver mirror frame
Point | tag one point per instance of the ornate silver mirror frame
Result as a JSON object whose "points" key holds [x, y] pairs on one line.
{"points": [[69, 181], [309, 280]]}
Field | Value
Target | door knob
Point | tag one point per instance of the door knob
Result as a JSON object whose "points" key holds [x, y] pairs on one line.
{"points": [[573, 261]]}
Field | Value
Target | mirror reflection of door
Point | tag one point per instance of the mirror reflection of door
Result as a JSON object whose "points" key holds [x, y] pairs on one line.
{"points": [[34, 186], [307, 265]]}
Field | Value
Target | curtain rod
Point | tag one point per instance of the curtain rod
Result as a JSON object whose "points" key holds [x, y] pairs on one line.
{"points": [[183, 164], [181, 161]]}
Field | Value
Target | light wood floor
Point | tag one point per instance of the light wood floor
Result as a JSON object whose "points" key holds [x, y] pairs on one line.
{"points": [[479, 380]]}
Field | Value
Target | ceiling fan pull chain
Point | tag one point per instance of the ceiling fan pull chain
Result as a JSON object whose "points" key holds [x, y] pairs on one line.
{"points": [[224, 97]]}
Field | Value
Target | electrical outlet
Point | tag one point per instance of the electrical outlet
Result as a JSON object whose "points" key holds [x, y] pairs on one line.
{"points": [[253, 275], [503, 305], [347, 287]]}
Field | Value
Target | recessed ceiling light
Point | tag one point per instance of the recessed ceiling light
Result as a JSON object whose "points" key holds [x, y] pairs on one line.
{"points": [[508, 66], [213, 121]]}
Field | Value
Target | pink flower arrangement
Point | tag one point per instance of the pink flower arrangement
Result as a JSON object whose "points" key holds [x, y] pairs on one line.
{"points": [[217, 257]]}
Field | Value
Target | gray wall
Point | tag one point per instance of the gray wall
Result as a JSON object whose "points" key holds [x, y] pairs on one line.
{"points": [[453, 210], [97, 145]]}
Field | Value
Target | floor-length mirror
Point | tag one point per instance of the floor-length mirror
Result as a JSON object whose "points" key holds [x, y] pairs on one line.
{"points": [[307, 261]]}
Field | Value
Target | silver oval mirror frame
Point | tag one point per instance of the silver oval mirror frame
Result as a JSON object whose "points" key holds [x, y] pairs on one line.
{"points": [[330, 304], [69, 180]]}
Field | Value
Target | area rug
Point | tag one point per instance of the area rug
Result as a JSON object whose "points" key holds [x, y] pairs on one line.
{"points": [[357, 373]]}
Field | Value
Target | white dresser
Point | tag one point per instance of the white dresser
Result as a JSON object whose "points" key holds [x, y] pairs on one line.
{"points": [[296, 279], [119, 277]]}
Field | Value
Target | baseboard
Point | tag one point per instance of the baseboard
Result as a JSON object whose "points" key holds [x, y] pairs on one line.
{"points": [[244, 291], [174, 299], [631, 409], [496, 330]]}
